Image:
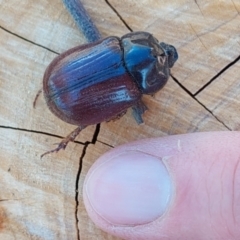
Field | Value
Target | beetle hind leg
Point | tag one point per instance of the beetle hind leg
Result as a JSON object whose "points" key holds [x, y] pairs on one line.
{"points": [[69, 138], [138, 111]]}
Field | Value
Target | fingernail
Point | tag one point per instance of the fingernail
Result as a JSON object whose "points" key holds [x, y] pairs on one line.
{"points": [[130, 189]]}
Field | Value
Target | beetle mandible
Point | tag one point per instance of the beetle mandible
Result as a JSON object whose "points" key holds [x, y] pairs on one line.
{"points": [[99, 81]]}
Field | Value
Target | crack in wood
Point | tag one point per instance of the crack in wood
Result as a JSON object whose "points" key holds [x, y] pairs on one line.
{"points": [[217, 75], [39, 132], [86, 144], [119, 16], [213, 115], [194, 97], [96, 133], [94, 140], [185, 89], [106, 144], [27, 40], [77, 187]]}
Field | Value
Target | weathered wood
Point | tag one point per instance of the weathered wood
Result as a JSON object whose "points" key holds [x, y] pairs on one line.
{"points": [[206, 33], [37, 198], [22, 67], [223, 97], [49, 24]]}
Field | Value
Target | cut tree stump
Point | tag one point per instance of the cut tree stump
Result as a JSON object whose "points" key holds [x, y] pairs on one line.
{"points": [[42, 198]]}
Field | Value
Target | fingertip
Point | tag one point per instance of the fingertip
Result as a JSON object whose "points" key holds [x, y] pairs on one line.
{"points": [[130, 189], [165, 187]]}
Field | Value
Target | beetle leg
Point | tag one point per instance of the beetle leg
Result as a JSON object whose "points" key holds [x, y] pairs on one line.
{"points": [[62, 145], [36, 98], [138, 110]]}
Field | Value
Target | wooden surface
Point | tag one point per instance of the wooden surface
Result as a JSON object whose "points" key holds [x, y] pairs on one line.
{"points": [[42, 198]]}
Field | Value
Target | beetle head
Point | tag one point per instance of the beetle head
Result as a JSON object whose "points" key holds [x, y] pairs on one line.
{"points": [[147, 60]]}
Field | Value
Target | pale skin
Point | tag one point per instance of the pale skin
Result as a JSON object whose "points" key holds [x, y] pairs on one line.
{"points": [[204, 170]]}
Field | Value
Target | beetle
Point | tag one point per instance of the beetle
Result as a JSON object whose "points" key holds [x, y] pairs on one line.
{"points": [[98, 82]]}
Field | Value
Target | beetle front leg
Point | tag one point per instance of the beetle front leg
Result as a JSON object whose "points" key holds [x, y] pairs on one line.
{"points": [[138, 111], [69, 138]]}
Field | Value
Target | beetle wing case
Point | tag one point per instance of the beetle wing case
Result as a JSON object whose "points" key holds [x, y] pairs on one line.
{"points": [[89, 84]]}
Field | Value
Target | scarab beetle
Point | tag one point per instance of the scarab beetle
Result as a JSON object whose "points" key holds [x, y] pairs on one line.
{"points": [[99, 81]]}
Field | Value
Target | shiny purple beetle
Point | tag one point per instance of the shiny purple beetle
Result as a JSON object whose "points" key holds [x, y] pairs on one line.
{"points": [[99, 81]]}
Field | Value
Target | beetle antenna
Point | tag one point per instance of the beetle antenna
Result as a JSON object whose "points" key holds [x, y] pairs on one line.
{"points": [[83, 20]]}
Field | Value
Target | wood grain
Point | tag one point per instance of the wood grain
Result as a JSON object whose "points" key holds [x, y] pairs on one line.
{"points": [[49, 24], [223, 97], [37, 198], [42, 198], [206, 33], [22, 68]]}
